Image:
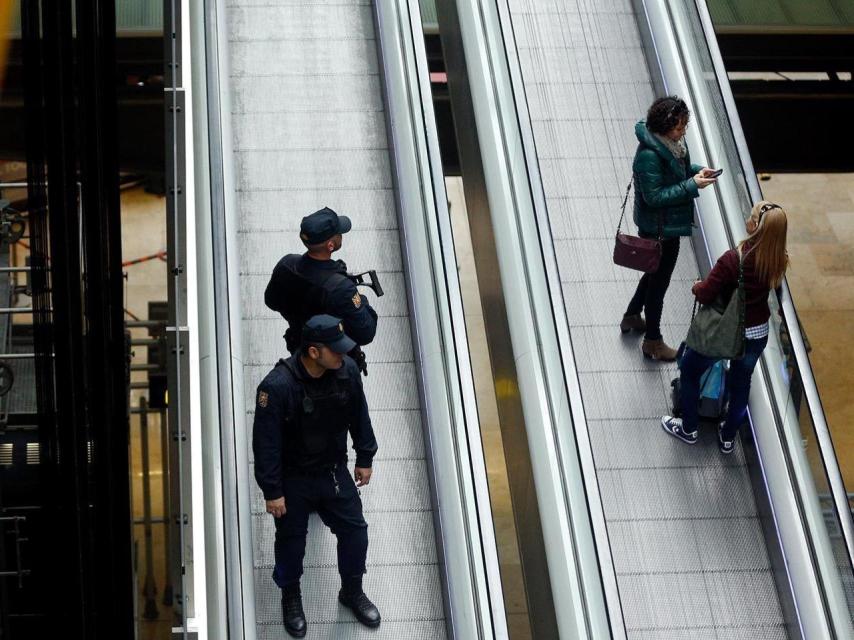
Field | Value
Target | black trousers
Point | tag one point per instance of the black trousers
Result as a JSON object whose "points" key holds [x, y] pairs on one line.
{"points": [[649, 295], [341, 512]]}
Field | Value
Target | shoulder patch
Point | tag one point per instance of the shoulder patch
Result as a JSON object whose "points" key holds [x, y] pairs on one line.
{"points": [[263, 399], [357, 300]]}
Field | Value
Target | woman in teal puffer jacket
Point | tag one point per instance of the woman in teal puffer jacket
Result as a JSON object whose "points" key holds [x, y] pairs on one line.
{"points": [[666, 184]]}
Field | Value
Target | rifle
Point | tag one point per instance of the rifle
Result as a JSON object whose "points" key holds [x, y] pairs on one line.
{"points": [[374, 284]]}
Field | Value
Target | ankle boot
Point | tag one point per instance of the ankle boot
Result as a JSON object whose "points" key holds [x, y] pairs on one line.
{"points": [[633, 322], [292, 613], [657, 350], [352, 597]]}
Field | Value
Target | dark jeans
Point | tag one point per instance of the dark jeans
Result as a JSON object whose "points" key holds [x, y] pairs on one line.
{"points": [[649, 296], [737, 384], [342, 513]]}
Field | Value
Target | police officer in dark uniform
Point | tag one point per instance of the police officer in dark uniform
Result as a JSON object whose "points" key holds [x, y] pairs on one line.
{"points": [[313, 283], [303, 411]]}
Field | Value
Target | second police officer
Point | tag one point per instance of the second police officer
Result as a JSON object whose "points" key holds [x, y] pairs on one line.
{"points": [[313, 283], [303, 411]]}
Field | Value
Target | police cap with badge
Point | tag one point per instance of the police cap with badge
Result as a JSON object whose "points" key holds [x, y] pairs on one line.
{"points": [[329, 331], [322, 225]]}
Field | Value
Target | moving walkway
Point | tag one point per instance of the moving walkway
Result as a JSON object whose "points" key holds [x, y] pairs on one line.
{"points": [[687, 543], [318, 104], [313, 104]]}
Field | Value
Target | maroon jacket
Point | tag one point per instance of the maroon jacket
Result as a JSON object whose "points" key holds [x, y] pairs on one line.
{"points": [[723, 279]]}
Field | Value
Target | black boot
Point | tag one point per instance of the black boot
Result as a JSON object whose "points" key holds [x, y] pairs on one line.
{"points": [[352, 597], [292, 613]]}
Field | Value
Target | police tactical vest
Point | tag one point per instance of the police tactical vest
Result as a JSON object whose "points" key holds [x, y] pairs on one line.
{"points": [[299, 296], [323, 413]]}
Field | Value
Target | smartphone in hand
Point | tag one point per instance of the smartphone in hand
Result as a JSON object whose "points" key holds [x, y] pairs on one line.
{"points": [[715, 173]]}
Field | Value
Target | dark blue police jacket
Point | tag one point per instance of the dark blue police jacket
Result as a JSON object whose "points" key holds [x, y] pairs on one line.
{"points": [[301, 287], [276, 440]]}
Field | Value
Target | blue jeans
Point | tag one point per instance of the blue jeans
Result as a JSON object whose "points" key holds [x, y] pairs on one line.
{"points": [[737, 384]]}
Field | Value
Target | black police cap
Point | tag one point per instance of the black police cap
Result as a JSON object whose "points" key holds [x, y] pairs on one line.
{"points": [[327, 330], [322, 225]]}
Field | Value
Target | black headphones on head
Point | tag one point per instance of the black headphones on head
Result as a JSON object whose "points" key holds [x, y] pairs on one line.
{"points": [[766, 207]]}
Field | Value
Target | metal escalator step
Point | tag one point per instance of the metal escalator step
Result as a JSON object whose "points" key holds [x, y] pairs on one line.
{"points": [[388, 630], [310, 131], [293, 57], [676, 492], [291, 93], [300, 22], [402, 594], [282, 210], [293, 169]]}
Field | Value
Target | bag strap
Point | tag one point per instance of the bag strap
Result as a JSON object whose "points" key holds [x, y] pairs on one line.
{"points": [[740, 270], [743, 310], [625, 200], [623, 212], [740, 282]]}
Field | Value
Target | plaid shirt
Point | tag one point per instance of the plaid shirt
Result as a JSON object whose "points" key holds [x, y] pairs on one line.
{"points": [[756, 332]]}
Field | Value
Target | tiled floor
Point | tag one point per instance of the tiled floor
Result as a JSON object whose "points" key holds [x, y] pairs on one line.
{"points": [[821, 276]]}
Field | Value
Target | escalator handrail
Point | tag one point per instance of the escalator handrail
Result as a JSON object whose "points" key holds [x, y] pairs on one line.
{"points": [[572, 560], [571, 377], [464, 523]]}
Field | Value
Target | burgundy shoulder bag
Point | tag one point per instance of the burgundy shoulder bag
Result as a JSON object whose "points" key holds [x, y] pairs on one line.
{"points": [[634, 252]]}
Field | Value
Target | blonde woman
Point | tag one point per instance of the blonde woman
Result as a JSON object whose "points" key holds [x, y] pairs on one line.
{"points": [[765, 261]]}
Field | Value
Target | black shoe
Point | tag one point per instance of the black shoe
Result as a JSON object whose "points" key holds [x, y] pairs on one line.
{"points": [[632, 323], [673, 426], [352, 597], [726, 446], [292, 613]]}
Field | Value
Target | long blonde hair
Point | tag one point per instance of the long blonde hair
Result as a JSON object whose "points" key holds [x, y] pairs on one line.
{"points": [[767, 242]]}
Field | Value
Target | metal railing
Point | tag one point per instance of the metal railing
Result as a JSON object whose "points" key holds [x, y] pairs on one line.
{"points": [[577, 576], [449, 407]]}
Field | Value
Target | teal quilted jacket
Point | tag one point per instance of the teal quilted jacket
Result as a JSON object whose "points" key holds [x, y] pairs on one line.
{"points": [[664, 186]]}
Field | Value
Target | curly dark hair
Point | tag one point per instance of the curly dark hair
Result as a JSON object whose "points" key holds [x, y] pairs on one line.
{"points": [[666, 113]]}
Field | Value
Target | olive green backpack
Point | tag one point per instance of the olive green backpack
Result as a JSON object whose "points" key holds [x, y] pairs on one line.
{"points": [[717, 329]]}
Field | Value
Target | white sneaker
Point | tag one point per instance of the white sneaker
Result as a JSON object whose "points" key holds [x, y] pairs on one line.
{"points": [[673, 426]]}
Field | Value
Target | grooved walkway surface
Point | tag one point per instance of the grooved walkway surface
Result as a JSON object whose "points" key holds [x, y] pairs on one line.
{"points": [[309, 131], [685, 537]]}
